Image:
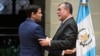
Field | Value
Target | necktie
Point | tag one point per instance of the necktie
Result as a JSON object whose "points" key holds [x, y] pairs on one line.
{"points": [[61, 24]]}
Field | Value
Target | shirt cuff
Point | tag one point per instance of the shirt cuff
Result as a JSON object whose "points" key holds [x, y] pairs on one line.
{"points": [[50, 43], [62, 53]]}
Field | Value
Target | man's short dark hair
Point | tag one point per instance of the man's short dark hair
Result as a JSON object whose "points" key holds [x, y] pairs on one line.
{"points": [[32, 8], [68, 6]]}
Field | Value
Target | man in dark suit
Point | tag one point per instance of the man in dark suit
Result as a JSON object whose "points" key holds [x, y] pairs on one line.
{"points": [[66, 35], [29, 33]]}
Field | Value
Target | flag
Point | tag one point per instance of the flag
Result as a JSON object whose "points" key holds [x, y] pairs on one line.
{"points": [[85, 44]]}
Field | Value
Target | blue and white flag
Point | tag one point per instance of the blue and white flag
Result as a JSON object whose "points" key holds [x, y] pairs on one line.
{"points": [[86, 39]]}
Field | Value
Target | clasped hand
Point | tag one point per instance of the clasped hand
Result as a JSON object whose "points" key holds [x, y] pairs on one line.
{"points": [[44, 42]]}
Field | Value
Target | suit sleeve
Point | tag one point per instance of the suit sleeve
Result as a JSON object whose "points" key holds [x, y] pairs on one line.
{"points": [[39, 33], [68, 39]]}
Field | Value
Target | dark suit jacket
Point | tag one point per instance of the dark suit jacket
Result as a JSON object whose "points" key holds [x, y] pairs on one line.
{"points": [[29, 33], [65, 38]]}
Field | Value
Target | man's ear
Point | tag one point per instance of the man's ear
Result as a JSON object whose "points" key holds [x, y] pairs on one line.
{"points": [[33, 14]]}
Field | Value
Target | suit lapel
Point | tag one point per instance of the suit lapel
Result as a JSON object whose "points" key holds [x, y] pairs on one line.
{"points": [[61, 29]]}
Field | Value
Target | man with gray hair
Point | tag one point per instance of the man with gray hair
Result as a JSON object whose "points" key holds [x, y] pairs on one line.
{"points": [[66, 35]]}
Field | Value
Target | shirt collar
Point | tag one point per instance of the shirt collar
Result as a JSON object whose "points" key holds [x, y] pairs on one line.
{"points": [[67, 18]]}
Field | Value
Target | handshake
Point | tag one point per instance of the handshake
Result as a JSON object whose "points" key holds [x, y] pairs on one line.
{"points": [[47, 42]]}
